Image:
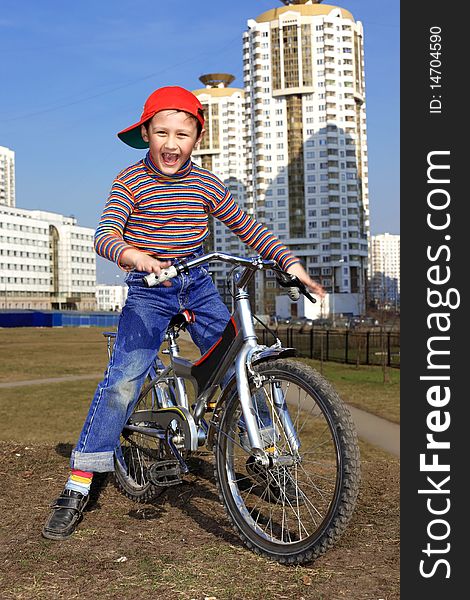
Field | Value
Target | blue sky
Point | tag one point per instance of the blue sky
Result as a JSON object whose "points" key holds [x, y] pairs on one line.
{"points": [[73, 74]]}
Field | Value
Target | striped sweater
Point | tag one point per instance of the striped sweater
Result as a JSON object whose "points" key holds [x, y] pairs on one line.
{"points": [[166, 216]]}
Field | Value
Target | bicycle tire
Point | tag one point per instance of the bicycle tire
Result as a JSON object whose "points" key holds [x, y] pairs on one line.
{"points": [[291, 514], [138, 451]]}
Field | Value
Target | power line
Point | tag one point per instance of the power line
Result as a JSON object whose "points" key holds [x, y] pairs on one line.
{"points": [[119, 87]]}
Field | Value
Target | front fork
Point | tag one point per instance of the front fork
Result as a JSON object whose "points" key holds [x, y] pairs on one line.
{"points": [[280, 412]]}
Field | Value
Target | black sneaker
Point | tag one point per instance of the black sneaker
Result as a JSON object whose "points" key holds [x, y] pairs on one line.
{"points": [[280, 486], [66, 515]]}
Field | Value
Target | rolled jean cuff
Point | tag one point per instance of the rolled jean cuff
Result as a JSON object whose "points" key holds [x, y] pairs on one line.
{"points": [[96, 462]]}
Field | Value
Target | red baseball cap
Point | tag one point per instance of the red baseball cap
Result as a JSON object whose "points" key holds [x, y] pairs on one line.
{"points": [[165, 98]]}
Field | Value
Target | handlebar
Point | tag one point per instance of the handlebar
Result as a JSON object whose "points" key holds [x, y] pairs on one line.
{"points": [[286, 280]]}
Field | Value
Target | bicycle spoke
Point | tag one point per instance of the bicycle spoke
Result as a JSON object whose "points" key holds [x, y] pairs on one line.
{"points": [[285, 504]]}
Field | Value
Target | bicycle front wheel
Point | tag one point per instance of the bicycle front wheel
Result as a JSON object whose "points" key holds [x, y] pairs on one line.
{"points": [[298, 506]]}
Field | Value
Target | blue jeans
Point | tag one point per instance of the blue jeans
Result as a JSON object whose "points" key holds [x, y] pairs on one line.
{"points": [[142, 325]]}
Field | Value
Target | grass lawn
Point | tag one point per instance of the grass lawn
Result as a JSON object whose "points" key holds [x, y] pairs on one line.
{"points": [[43, 411], [364, 387]]}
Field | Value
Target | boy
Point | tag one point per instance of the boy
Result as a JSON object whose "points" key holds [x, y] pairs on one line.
{"points": [[156, 213]]}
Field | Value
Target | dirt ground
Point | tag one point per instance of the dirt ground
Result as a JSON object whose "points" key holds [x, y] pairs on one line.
{"points": [[181, 546]]}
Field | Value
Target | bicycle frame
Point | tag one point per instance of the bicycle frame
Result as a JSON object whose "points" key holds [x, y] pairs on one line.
{"points": [[239, 345]]}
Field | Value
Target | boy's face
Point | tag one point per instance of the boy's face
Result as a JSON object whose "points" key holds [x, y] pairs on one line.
{"points": [[171, 136]]}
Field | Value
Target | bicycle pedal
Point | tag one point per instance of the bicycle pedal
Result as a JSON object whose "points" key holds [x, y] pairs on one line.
{"points": [[165, 473]]}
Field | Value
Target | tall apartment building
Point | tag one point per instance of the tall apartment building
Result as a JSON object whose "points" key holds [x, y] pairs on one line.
{"points": [[47, 261], [385, 270], [222, 151], [306, 143], [7, 177]]}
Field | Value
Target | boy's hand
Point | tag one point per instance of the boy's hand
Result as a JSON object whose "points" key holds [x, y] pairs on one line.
{"points": [[135, 259], [298, 270]]}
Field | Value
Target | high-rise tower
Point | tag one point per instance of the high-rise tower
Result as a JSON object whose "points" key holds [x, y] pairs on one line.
{"points": [[385, 270], [222, 152], [306, 141], [7, 177]]}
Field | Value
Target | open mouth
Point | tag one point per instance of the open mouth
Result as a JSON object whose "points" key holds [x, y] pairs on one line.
{"points": [[169, 158]]}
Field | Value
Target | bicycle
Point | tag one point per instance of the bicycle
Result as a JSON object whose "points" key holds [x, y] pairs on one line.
{"points": [[285, 450]]}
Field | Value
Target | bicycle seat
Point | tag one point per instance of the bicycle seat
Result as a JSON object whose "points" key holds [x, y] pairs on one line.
{"points": [[182, 319]]}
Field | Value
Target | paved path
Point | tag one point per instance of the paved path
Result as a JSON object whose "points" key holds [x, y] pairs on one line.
{"points": [[372, 429], [377, 431], [11, 384]]}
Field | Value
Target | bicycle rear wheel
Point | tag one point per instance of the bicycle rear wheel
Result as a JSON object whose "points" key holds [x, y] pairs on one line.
{"points": [[137, 451], [297, 507]]}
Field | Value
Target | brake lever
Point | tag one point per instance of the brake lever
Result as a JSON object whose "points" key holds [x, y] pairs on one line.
{"points": [[307, 294], [287, 280]]}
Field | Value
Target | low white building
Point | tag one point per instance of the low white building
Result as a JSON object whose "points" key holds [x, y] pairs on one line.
{"points": [[110, 297], [47, 261], [331, 306]]}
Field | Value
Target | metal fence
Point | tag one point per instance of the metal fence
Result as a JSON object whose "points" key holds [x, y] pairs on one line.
{"points": [[352, 347]]}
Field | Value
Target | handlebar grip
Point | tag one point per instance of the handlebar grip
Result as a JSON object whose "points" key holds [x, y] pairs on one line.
{"points": [[152, 280], [293, 293]]}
